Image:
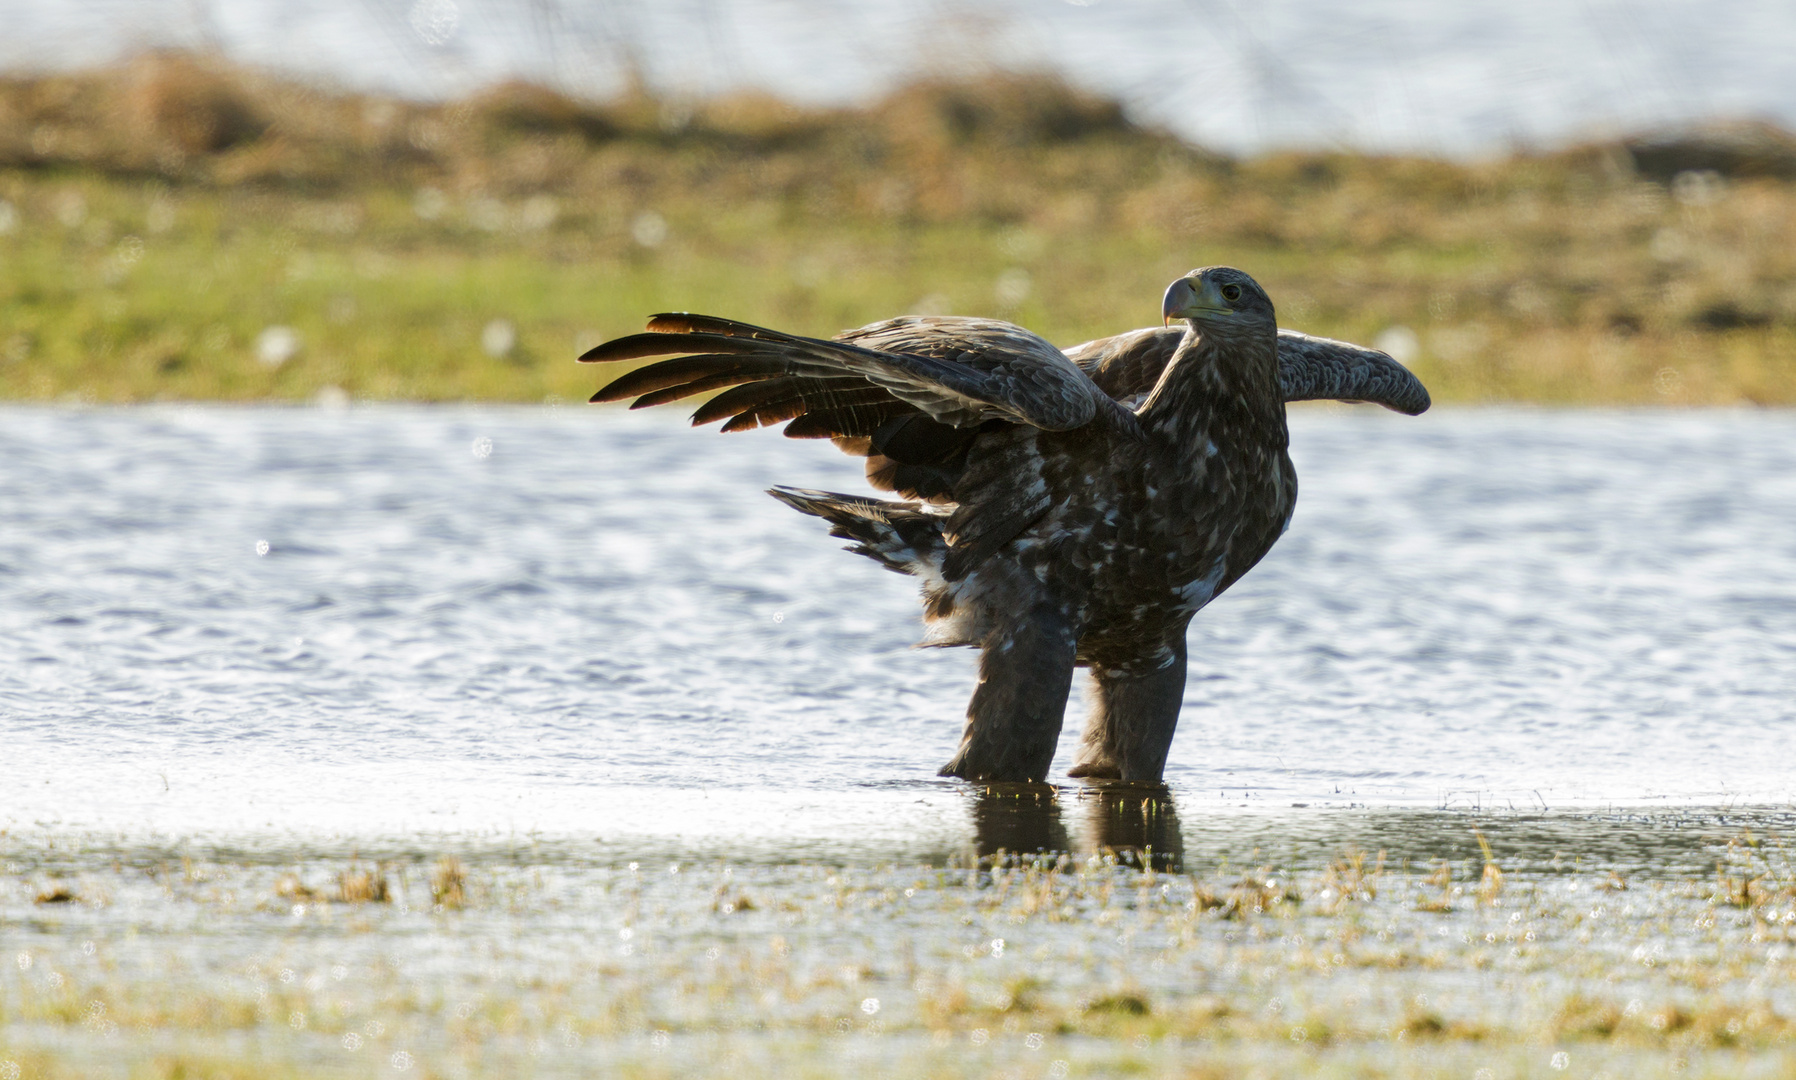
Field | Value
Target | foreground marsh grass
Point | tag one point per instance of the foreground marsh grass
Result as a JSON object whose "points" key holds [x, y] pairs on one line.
{"points": [[230, 963], [159, 220]]}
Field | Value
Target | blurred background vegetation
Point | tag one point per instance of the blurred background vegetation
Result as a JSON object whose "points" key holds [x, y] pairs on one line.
{"points": [[175, 227]]}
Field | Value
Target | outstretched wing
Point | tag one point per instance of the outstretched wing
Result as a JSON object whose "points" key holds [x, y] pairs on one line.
{"points": [[913, 394], [1127, 366], [848, 387], [1322, 369], [946, 410]]}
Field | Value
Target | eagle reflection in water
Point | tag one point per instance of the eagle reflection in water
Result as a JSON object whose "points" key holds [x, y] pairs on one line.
{"points": [[1137, 823]]}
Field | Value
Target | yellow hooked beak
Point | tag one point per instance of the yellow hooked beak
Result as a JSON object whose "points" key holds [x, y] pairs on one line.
{"points": [[1193, 298]]}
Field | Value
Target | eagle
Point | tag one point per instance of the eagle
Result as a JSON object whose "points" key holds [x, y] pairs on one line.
{"points": [[1063, 509]]}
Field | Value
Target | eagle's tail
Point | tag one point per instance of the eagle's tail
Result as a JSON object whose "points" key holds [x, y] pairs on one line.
{"points": [[900, 536]]}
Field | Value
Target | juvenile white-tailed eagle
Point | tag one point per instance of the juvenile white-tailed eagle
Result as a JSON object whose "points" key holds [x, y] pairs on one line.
{"points": [[1069, 508]]}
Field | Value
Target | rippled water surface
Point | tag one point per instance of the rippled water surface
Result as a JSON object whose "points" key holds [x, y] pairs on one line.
{"points": [[1474, 77], [386, 620]]}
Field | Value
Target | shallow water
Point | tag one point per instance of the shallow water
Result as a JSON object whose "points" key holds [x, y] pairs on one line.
{"points": [[575, 621], [1473, 77]]}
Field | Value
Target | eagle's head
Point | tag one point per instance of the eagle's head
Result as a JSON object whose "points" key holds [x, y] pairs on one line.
{"points": [[1220, 301]]}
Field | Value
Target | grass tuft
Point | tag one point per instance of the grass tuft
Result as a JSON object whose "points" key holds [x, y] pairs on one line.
{"points": [[1120, 1005], [358, 885], [1490, 882], [449, 883], [289, 887]]}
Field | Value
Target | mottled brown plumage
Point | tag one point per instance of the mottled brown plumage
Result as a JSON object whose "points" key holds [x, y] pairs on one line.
{"points": [[1071, 508]]}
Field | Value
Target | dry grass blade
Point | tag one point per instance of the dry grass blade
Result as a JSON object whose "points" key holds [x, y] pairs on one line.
{"points": [[1442, 879], [360, 886], [1204, 898], [291, 887], [1490, 883], [449, 883], [1258, 893], [1737, 890], [726, 905], [1349, 878]]}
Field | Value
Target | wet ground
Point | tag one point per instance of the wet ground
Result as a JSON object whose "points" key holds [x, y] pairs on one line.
{"points": [[1341, 942]]}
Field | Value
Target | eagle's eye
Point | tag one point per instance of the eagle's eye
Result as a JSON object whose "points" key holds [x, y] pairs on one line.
{"points": [[1231, 293]]}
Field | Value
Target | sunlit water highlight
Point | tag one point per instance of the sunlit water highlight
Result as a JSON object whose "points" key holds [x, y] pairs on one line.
{"points": [[575, 620]]}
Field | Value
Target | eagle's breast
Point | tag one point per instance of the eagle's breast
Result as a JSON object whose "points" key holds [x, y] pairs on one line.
{"points": [[1159, 529]]}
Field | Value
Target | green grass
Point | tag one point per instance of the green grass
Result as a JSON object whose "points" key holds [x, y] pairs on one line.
{"points": [[397, 311], [143, 250]]}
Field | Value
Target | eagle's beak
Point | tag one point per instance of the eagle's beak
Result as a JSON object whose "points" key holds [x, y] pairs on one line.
{"points": [[1187, 298]]}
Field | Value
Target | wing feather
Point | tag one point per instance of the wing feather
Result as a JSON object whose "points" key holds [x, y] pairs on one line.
{"points": [[846, 420], [1316, 368], [1009, 374], [847, 400], [1000, 492], [666, 374], [762, 415], [1128, 365], [744, 399], [696, 386]]}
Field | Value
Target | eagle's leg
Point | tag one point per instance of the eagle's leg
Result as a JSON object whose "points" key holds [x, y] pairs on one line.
{"points": [[1131, 724], [1013, 722]]}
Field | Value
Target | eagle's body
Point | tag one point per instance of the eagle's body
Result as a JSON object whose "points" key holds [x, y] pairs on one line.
{"points": [[1065, 513]]}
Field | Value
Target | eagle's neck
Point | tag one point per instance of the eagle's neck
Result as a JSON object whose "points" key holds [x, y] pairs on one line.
{"points": [[1211, 380]]}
